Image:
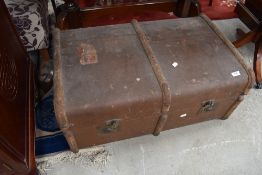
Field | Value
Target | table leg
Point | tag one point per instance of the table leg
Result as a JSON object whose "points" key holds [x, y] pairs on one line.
{"points": [[244, 38]]}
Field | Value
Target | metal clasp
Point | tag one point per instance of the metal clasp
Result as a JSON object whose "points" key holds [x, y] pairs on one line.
{"points": [[110, 126], [208, 106]]}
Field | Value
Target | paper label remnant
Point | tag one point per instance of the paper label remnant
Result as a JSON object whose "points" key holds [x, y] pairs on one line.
{"points": [[175, 64], [183, 115], [235, 74], [87, 54]]}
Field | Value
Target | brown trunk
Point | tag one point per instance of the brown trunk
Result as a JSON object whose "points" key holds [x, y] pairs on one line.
{"points": [[113, 82]]}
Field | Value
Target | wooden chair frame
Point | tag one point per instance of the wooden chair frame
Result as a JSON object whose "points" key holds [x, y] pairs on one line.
{"points": [[255, 35]]}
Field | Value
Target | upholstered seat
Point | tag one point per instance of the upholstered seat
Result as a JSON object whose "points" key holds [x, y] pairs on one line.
{"points": [[31, 20]]}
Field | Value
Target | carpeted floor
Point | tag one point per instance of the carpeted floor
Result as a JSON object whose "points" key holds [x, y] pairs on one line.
{"points": [[221, 9], [229, 147]]}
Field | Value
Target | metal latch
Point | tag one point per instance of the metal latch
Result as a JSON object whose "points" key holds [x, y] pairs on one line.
{"points": [[208, 106], [110, 126]]}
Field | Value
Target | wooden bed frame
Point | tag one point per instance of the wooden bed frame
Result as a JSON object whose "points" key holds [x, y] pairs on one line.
{"points": [[70, 16]]}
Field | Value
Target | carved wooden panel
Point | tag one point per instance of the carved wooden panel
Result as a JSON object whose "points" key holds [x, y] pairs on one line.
{"points": [[16, 101], [8, 76]]}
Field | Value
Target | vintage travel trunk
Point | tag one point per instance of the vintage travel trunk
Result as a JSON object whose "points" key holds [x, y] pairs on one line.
{"points": [[121, 81]]}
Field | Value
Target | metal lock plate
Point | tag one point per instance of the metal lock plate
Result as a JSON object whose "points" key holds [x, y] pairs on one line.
{"points": [[110, 126], [208, 106]]}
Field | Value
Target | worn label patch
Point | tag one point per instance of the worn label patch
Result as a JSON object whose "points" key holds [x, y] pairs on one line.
{"points": [[183, 115], [87, 54], [174, 64], [235, 74]]}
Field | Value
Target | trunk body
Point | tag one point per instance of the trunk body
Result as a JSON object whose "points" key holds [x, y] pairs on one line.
{"points": [[107, 84]]}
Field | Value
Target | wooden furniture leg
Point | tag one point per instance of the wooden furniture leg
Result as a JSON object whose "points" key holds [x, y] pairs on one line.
{"points": [[210, 2], [45, 73], [244, 38], [258, 63], [54, 7], [69, 16], [187, 8], [255, 36]]}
